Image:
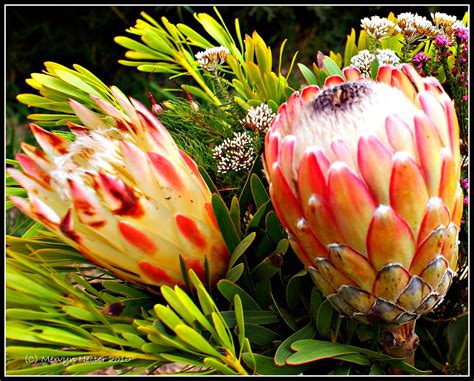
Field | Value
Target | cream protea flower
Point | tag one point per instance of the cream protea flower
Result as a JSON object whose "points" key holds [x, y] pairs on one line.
{"points": [[211, 59], [126, 197], [364, 175]]}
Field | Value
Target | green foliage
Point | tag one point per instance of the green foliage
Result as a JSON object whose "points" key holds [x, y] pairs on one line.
{"points": [[169, 49]]}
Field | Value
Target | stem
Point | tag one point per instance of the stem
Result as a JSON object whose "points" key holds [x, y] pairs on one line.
{"points": [[401, 342]]}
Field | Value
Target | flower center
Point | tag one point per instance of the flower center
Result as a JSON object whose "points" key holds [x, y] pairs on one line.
{"points": [[346, 112], [87, 154]]}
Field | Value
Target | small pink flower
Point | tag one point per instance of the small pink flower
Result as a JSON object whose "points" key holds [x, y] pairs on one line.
{"points": [[441, 41]]}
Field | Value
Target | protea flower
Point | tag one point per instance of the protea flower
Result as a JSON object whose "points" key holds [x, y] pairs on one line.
{"points": [[364, 175], [126, 197]]}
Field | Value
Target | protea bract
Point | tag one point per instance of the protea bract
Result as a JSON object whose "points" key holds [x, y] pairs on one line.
{"points": [[125, 196], [364, 175]]}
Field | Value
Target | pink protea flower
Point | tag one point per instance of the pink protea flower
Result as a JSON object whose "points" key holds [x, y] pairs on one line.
{"points": [[126, 197], [364, 175]]}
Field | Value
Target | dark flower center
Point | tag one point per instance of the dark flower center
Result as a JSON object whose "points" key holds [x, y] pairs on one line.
{"points": [[341, 97]]}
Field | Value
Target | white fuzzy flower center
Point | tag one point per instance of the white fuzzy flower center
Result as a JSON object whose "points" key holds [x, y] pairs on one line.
{"points": [[86, 155], [346, 112]]}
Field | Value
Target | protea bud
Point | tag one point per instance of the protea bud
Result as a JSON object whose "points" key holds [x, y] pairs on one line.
{"points": [[365, 178], [126, 197]]}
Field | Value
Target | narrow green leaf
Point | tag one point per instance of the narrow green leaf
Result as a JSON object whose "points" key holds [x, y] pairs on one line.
{"points": [[235, 215], [123, 289], [239, 317], [235, 272], [195, 340], [217, 365], [225, 223], [222, 332], [293, 288], [133, 340], [259, 192], [167, 316], [324, 318], [355, 358], [285, 315], [308, 74], [457, 332], [111, 339], [229, 290], [192, 308], [258, 317], [176, 304], [261, 336], [332, 67], [241, 248], [80, 313]]}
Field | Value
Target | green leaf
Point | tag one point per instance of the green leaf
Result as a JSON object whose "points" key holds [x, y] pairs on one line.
{"points": [[239, 318], [225, 223], [133, 340], [457, 332], [284, 350], [192, 308], [195, 340], [235, 215], [80, 313], [324, 318], [257, 218], [274, 228], [55, 369], [376, 369], [285, 315], [222, 331], [259, 191], [268, 267], [235, 272], [355, 358], [88, 367], [265, 365], [308, 74], [332, 67], [293, 288], [229, 290], [261, 336], [241, 248], [167, 316], [258, 317], [213, 363], [111, 339], [308, 350], [24, 314], [176, 304]]}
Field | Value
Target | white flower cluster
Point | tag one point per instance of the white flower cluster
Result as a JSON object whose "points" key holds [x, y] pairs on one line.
{"points": [[412, 26], [211, 59], [259, 118], [236, 154], [363, 61], [447, 24], [387, 57], [377, 27]]}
